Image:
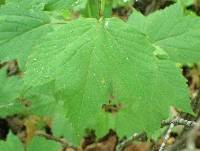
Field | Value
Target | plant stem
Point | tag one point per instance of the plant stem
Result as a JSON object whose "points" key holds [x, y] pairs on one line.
{"points": [[103, 3], [89, 11]]}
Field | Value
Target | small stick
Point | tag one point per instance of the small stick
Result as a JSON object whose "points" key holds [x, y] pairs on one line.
{"points": [[173, 123], [162, 147], [140, 137], [186, 140], [192, 136], [178, 121], [121, 145]]}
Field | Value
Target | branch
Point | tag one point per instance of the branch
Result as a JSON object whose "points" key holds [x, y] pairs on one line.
{"points": [[178, 121], [135, 137], [186, 139], [121, 145], [173, 123], [162, 147]]}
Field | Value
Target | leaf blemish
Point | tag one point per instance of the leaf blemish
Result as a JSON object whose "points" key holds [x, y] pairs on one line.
{"points": [[111, 107]]}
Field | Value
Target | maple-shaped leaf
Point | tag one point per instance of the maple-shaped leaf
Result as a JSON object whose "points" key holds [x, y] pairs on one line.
{"points": [[173, 31], [108, 76]]}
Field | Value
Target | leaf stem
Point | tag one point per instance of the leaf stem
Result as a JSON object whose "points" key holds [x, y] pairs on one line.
{"points": [[89, 11], [103, 3]]}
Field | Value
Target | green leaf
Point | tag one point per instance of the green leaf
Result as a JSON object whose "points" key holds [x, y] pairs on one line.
{"points": [[38, 143], [41, 144], [93, 63], [61, 125], [173, 31], [9, 91], [20, 29], [43, 100], [33, 4], [186, 3], [11, 144], [2, 2], [57, 5], [160, 53]]}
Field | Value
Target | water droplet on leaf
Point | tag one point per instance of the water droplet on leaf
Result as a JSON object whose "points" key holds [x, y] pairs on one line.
{"points": [[106, 24], [160, 53]]}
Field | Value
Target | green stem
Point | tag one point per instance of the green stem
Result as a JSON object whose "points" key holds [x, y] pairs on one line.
{"points": [[89, 11], [103, 3]]}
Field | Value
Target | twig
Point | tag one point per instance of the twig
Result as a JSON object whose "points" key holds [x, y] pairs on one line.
{"points": [[139, 137], [192, 136], [121, 145], [187, 139], [172, 123], [178, 121], [162, 147], [53, 138]]}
